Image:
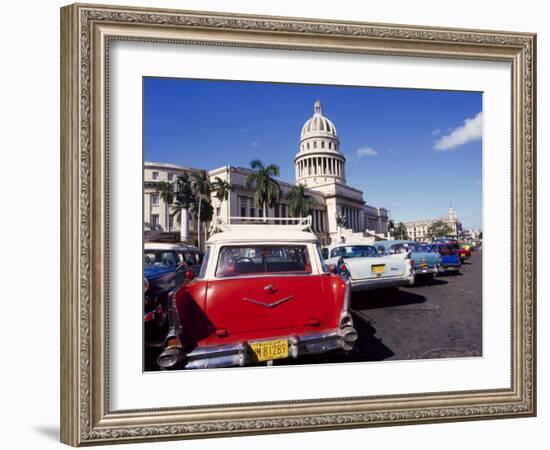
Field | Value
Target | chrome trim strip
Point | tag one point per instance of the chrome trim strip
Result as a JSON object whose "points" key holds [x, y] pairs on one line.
{"points": [[268, 305]]}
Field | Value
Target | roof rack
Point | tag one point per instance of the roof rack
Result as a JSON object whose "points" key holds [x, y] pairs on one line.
{"points": [[221, 224]]}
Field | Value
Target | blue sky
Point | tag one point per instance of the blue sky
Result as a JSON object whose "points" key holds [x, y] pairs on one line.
{"points": [[412, 151]]}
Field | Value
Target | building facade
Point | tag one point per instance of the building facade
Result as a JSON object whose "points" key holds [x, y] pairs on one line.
{"points": [[319, 166], [418, 229]]}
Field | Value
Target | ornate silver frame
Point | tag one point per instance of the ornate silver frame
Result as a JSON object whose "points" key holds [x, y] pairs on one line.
{"points": [[86, 31]]}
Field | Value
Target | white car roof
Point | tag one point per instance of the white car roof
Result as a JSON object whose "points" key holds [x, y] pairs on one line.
{"points": [[262, 233], [168, 246]]}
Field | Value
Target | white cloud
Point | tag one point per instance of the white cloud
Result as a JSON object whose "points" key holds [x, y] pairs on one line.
{"points": [[365, 151], [470, 131], [436, 132]]}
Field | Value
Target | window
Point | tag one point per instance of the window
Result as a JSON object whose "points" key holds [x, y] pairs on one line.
{"points": [[154, 221], [155, 175], [161, 258], [154, 199], [397, 249], [330, 145], [204, 265], [354, 251], [170, 177], [308, 145], [322, 144], [315, 144], [261, 260]]}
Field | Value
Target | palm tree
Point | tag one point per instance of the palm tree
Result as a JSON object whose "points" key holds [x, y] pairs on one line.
{"points": [[202, 189], [184, 198], [203, 211], [222, 188], [300, 203], [267, 191], [166, 191], [399, 231]]}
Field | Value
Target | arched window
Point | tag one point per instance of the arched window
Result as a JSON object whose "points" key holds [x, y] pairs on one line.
{"points": [[308, 145], [315, 144], [323, 144], [330, 145]]}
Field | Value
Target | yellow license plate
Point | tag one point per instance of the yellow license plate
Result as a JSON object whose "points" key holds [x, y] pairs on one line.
{"points": [[423, 266], [269, 350], [379, 268]]}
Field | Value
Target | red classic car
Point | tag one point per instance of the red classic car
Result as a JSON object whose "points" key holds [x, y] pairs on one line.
{"points": [[263, 293]]}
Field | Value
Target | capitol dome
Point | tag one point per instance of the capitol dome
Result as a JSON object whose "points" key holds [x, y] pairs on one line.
{"points": [[319, 159], [318, 125]]}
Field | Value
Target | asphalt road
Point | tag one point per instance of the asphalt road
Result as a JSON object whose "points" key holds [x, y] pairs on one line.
{"points": [[441, 319]]}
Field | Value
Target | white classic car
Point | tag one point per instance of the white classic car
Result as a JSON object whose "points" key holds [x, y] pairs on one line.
{"points": [[366, 268]]}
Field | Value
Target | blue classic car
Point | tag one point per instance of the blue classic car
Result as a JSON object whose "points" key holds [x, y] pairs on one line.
{"points": [[450, 259], [425, 262], [166, 266]]}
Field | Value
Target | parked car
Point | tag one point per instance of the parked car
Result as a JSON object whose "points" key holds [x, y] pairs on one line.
{"points": [[158, 281], [367, 269], [450, 260], [164, 269], [424, 261], [180, 257], [263, 293]]}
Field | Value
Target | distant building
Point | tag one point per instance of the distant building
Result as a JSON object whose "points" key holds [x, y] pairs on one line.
{"points": [[319, 166], [418, 229]]}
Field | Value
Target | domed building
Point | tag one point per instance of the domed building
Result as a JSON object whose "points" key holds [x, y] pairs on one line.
{"points": [[320, 167]]}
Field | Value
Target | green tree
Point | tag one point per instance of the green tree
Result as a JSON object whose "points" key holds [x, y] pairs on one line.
{"points": [[300, 203], [184, 198], [267, 191], [399, 231], [222, 189], [202, 189], [203, 211], [439, 229], [166, 191]]}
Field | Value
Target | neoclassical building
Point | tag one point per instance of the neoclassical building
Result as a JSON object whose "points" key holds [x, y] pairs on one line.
{"points": [[418, 229], [319, 166]]}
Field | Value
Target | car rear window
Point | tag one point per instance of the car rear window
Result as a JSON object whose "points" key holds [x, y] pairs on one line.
{"points": [[256, 260], [447, 250]]}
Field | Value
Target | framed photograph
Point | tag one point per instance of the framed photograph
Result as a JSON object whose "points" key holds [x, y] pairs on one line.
{"points": [[276, 224]]}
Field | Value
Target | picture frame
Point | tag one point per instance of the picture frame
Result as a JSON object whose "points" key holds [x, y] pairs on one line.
{"points": [[87, 31]]}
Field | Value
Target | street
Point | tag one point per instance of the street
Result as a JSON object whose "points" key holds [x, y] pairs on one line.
{"points": [[438, 320]]}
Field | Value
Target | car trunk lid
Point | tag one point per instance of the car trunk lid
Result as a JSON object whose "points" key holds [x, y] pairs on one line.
{"points": [[265, 303]]}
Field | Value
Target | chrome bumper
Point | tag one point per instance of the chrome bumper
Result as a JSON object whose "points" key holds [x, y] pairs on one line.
{"points": [[425, 271], [378, 283], [444, 269], [234, 355]]}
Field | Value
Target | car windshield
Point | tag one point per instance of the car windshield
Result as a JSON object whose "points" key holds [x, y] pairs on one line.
{"points": [[447, 249], [255, 260], [162, 258], [354, 251], [420, 248]]}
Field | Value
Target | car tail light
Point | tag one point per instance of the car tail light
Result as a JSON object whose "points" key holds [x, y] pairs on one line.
{"points": [[412, 263]]}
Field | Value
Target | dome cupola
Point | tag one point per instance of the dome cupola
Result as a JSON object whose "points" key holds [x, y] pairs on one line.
{"points": [[319, 159]]}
